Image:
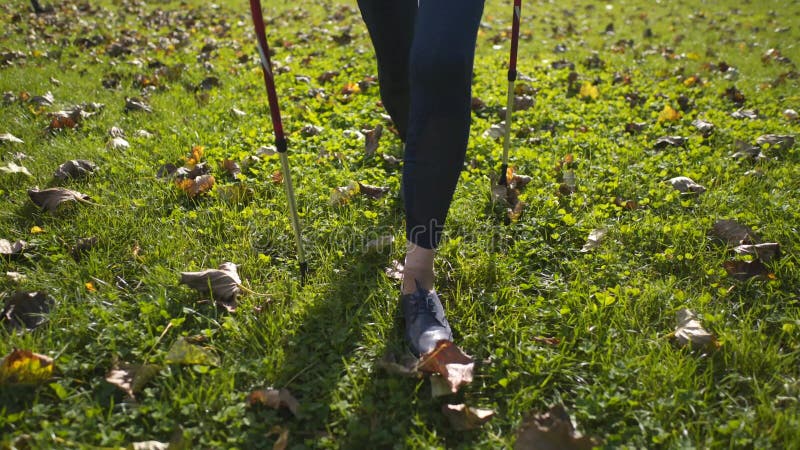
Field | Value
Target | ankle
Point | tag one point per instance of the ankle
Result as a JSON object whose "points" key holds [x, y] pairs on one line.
{"points": [[418, 269]]}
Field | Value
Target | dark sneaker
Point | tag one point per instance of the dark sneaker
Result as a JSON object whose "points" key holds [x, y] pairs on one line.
{"points": [[425, 321]]}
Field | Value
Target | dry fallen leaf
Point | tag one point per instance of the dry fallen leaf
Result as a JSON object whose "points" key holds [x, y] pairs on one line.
{"points": [[274, 398], [118, 143], [283, 437], [184, 353], [11, 249], [13, 169], [734, 233], [197, 185], [554, 341], [764, 252], [495, 131], [223, 283], [450, 362], [51, 199], [686, 185], [779, 142], [343, 194], [594, 240], [25, 367], [552, 430], [690, 331], [373, 192], [131, 378], [26, 310], [706, 128], [668, 114], [463, 417], [371, 139], [75, 168], [231, 167], [136, 104], [669, 141], [744, 270], [10, 138]]}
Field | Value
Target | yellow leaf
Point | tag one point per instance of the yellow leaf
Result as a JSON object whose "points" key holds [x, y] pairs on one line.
{"points": [[25, 367], [36, 230], [90, 286], [589, 90], [668, 114], [691, 81]]}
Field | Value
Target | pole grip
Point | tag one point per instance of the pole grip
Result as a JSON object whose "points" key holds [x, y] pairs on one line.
{"points": [[266, 67], [512, 63]]}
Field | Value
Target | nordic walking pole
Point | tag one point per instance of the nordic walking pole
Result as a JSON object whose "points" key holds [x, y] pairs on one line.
{"points": [[277, 126], [512, 77]]}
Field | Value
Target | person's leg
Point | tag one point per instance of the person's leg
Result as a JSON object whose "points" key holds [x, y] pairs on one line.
{"points": [[442, 56], [391, 27]]}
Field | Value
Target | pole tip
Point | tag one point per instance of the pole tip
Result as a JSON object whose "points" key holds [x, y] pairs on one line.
{"points": [[303, 272]]}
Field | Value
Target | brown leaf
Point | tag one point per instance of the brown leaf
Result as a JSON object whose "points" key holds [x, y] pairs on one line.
{"points": [[10, 138], [391, 160], [706, 128], [50, 199], [26, 310], [274, 398], [744, 270], [83, 245], [231, 167], [552, 430], [463, 417], [196, 186], [554, 341], [690, 331], [669, 141], [779, 142], [136, 104], [25, 367], [371, 139], [746, 151], [223, 283], [131, 378], [734, 233], [764, 252], [686, 185], [373, 192], [327, 76], [75, 168], [593, 241], [450, 362], [10, 249], [625, 204], [751, 114]]}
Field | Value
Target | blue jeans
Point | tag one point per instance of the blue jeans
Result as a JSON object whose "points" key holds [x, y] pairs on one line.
{"points": [[425, 56]]}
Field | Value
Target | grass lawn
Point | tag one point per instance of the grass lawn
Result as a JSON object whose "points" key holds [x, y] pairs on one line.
{"points": [[547, 320]]}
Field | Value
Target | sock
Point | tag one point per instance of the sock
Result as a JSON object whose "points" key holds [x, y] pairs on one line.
{"points": [[418, 269]]}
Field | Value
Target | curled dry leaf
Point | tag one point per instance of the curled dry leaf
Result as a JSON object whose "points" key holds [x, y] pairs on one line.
{"points": [[496, 131], [733, 233], [779, 142], [746, 151], [52, 198], [373, 192], [283, 437], [136, 104], [391, 160], [16, 277], [552, 430], [184, 353], [553, 341], [25, 367], [686, 185], [131, 378], [196, 186], [449, 361], [311, 130], [790, 114], [706, 128], [83, 245], [75, 168], [118, 143], [13, 169], [744, 270], [223, 283], [116, 132], [343, 194], [689, 331], [593, 241], [371, 139], [751, 114], [274, 398], [669, 141], [764, 252], [26, 310], [8, 138], [231, 167], [463, 417]]}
